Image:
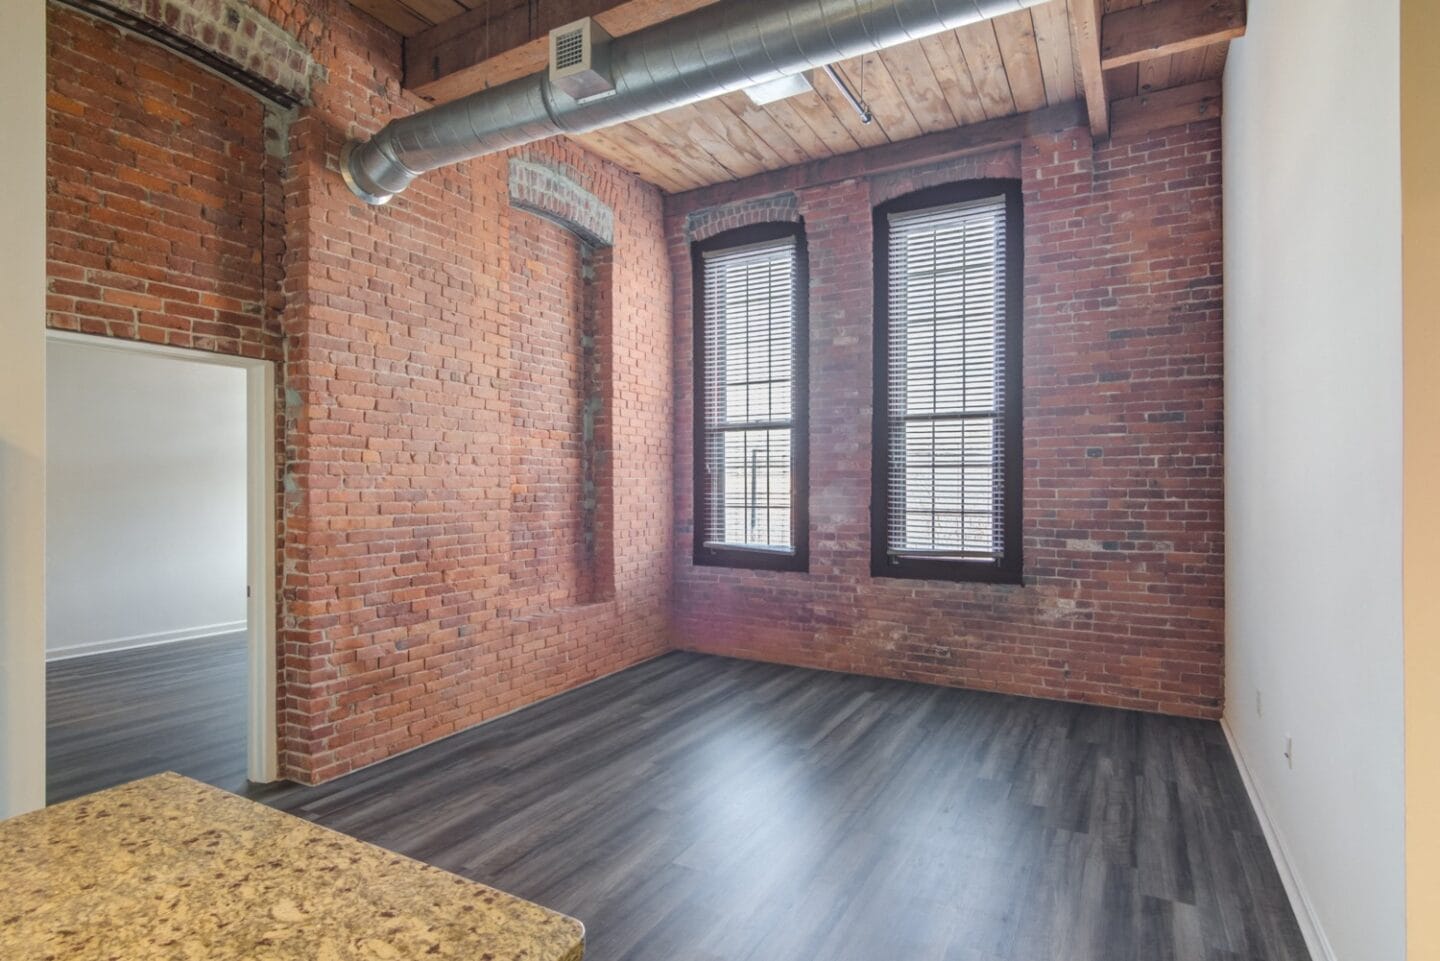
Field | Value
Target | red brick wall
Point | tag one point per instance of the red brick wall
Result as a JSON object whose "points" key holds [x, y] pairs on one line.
{"points": [[156, 195], [599, 453], [547, 400], [1123, 596], [396, 328], [401, 331]]}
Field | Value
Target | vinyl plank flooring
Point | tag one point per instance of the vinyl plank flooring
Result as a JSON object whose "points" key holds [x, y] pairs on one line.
{"points": [[116, 717], [720, 810], [723, 810]]}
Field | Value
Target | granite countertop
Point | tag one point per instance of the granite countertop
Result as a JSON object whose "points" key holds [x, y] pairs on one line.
{"points": [[168, 868]]}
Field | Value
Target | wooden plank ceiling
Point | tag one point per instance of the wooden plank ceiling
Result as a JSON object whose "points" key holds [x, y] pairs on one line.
{"points": [[1059, 52]]}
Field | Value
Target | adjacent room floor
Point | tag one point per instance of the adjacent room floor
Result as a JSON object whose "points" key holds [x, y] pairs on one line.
{"points": [[707, 809], [115, 717]]}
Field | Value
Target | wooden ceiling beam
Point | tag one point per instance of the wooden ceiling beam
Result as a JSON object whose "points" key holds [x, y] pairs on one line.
{"points": [[494, 44], [1085, 24], [1167, 27], [1168, 108]]}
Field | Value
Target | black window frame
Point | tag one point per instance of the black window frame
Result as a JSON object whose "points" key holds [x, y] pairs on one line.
{"points": [[1010, 568], [797, 559]]}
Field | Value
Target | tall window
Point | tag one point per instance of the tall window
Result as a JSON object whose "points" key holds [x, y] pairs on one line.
{"points": [[947, 384], [750, 398]]}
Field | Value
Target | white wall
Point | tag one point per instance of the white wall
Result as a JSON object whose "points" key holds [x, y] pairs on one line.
{"points": [[22, 408], [145, 509], [1313, 452]]}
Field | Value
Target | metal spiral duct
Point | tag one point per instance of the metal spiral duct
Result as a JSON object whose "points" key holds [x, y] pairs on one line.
{"points": [[727, 46]]}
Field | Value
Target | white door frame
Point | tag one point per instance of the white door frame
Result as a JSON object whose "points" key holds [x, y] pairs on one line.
{"points": [[262, 755]]}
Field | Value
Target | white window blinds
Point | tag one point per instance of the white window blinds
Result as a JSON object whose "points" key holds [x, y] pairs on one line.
{"points": [[946, 366], [749, 380]]}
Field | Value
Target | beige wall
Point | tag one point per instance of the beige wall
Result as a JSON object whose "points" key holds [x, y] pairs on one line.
{"points": [[22, 408], [1420, 166], [1314, 458]]}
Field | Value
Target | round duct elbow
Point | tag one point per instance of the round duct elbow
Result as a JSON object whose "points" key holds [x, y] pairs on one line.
{"points": [[371, 174]]}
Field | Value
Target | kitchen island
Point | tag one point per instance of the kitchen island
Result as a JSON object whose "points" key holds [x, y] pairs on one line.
{"points": [[168, 868]]}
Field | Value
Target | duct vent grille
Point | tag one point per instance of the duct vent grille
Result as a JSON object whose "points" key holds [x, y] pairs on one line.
{"points": [[580, 59], [569, 49]]}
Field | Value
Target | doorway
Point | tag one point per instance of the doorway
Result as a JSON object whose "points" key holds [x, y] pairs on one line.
{"points": [[159, 565]]}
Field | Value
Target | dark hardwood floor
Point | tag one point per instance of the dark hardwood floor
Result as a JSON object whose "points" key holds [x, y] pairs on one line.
{"points": [[702, 809], [112, 718]]}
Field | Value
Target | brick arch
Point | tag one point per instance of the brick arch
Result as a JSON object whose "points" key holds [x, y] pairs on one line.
{"points": [[1001, 164], [777, 208], [551, 192], [562, 506]]}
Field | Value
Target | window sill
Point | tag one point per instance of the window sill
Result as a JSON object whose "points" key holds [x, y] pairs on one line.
{"points": [[758, 559], [958, 571]]}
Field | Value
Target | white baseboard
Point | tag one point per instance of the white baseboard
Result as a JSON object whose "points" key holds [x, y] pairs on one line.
{"points": [[1310, 927], [144, 640]]}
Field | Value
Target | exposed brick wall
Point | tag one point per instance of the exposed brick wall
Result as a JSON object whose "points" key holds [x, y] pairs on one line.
{"points": [[551, 190], [1123, 596], [548, 562], [235, 34], [598, 424], [401, 326], [1003, 162], [395, 328], [156, 210], [562, 519], [709, 221]]}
